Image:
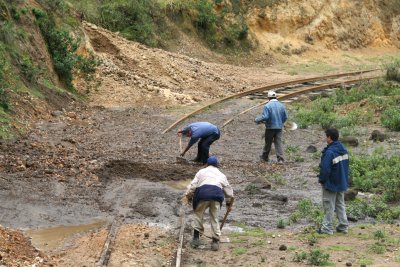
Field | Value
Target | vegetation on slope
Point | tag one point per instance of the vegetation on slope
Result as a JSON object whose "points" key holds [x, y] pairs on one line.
{"points": [[35, 41], [220, 24]]}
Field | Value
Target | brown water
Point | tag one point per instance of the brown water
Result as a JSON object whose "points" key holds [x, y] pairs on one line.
{"points": [[52, 238]]}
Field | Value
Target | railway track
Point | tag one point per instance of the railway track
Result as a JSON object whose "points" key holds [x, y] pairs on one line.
{"points": [[281, 87], [287, 91]]}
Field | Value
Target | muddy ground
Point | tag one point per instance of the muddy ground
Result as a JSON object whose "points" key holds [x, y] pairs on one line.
{"points": [[71, 176], [95, 164]]}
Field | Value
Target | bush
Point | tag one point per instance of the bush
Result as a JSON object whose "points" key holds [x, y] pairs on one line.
{"points": [[3, 69], [376, 173], [393, 71], [136, 19], [206, 17], [317, 257], [390, 118], [62, 47]]}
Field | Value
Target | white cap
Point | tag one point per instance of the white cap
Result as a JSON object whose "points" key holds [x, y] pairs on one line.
{"points": [[271, 94]]}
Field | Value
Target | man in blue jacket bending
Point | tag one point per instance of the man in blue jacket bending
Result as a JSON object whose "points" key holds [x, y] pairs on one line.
{"points": [[274, 116], [206, 132], [334, 178]]}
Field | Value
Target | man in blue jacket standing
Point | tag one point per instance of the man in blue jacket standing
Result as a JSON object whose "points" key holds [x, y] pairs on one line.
{"points": [[274, 116], [206, 132], [334, 178]]}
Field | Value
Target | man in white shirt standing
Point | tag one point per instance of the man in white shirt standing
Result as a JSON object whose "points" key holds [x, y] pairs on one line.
{"points": [[208, 190]]}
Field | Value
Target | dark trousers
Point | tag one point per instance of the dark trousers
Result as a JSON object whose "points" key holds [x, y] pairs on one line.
{"points": [[273, 136], [203, 150]]}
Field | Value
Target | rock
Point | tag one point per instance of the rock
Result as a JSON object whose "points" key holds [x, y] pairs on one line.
{"points": [[350, 195], [280, 198], [363, 265], [349, 140], [257, 205], [311, 149], [56, 113], [146, 235], [377, 135], [282, 247], [349, 264], [72, 115]]}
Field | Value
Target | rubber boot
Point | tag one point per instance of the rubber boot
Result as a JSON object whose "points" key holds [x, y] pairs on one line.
{"points": [[196, 239], [215, 245], [264, 157]]}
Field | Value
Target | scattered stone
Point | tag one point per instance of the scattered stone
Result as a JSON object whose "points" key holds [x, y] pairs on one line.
{"points": [[56, 113], [377, 135], [350, 140], [257, 205], [350, 194], [349, 264], [146, 235], [363, 265], [282, 247], [311, 149]]}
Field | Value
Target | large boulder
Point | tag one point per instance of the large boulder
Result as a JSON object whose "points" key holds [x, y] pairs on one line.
{"points": [[377, 135]]}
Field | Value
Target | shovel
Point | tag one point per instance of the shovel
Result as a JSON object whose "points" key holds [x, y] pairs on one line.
{"points": [[290, 126], [180, 159]]}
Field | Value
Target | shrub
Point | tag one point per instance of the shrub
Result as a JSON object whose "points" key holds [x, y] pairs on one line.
{"points": [[393, 71], [62, 47], [136, 19], [3, 70], [376, 173], [205, 18], [390, 118], [317, 257], [281, 223]]}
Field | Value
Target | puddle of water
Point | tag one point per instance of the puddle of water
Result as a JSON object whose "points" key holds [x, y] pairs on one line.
{"points": [[51, 238], [182, 184]]}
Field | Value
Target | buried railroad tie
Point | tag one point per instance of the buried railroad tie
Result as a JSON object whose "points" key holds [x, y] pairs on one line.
{"points": [[181, 232], [105, 255]]}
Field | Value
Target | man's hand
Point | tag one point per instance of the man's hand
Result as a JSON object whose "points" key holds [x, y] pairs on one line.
{"points": [[229, 206], [183, 153], [186, 200]]}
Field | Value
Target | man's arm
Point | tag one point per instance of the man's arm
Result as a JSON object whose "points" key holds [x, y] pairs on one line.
{"points": [[263, 117], [325, 167]]}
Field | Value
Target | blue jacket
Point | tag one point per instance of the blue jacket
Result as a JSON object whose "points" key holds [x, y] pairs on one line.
{"points": [[334, 168], [274, 115], [200, 130], [208, 192]]}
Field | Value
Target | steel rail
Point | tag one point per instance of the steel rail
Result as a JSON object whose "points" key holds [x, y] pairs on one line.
{"points": [[268, 87], [302, 91]]}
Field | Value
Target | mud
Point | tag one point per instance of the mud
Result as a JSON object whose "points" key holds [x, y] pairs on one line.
{"points": [[107, 163]]}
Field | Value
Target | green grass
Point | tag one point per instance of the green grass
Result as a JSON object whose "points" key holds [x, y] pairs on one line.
{"points": [[251, 231], [239, 251], [340, 248], [365, 261]]}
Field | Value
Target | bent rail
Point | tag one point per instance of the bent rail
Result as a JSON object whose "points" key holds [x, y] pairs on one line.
{"points": [[299, 92], [268, 87]]}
